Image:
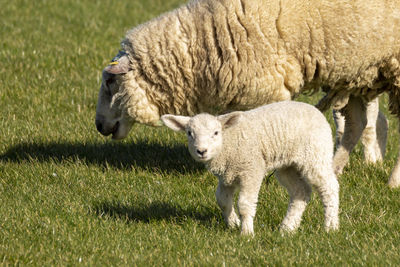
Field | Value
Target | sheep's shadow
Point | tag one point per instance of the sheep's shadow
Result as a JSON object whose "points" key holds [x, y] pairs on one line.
{"points": [[156, 211], [151, 156]]}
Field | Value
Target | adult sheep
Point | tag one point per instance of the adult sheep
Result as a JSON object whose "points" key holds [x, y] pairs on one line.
{"points": [[219, 55]]}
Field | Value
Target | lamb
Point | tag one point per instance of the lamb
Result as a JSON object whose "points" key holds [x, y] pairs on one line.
{"points": [[220, 55], [241, 147]]}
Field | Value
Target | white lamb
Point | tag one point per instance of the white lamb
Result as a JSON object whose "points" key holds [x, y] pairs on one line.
{"points": [[241, 147]]}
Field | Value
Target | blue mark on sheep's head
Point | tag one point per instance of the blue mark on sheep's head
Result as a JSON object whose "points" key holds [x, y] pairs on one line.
{"points": [[110, 116]]}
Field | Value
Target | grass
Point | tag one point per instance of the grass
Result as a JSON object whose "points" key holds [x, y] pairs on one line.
{"points": [[71, 197]]}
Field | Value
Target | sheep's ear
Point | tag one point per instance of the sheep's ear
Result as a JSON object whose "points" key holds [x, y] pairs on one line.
{"points": [[230, 119], [176, 123], [119, 66]]}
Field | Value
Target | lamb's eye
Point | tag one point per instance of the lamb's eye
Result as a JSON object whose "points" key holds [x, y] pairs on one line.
{"points": [[216, 133]]}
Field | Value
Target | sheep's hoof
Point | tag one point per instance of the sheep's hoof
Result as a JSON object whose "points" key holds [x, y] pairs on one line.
{"points": [[394, 180], [233, 221], [338, 170], [234, 224]]}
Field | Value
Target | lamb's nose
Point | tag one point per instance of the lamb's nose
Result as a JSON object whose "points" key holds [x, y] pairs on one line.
{"points": [[201, 152]]}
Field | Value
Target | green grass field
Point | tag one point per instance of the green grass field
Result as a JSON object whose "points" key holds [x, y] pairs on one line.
{"points": [[72, 197]]}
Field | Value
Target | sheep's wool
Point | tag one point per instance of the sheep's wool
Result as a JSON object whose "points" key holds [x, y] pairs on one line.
{"points": [[218, 55]]}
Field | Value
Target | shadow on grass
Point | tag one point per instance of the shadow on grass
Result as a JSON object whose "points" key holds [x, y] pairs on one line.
{"points": [[119, 155], [155, 212]]}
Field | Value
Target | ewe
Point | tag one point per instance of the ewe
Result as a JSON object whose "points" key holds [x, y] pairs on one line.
{"points": [[220, 55], [241, 147]]}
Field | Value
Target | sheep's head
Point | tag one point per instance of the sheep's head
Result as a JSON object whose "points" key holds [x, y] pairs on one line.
{"points": [[110, 116], [204, 132], [123, 99]]}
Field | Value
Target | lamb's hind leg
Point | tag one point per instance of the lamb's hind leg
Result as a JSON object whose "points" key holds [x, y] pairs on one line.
{"points": [[299, 193], [326, 184], [355, 122]]}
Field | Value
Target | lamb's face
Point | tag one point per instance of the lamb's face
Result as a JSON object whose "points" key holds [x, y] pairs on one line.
{"points": [[110, 118], [204, 134]]}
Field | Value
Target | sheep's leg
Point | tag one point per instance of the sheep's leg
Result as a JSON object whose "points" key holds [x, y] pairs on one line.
{"points": [[382, 127], [299, 192], [247, 202], [225, 195], [375, 133], [394, 180], [355, 122], [326, 184], [338, 118]]}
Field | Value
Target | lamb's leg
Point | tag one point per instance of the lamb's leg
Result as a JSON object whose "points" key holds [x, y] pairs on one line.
{"points": [[247, 202], [326, 184], [394, 180], [375, 133], [355, 122], [225, 195], [299, 192]]}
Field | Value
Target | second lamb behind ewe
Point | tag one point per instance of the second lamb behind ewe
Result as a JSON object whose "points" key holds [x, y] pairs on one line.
{"points": [[241, 147]]}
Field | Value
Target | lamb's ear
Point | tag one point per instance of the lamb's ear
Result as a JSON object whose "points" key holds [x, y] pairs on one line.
{"points": [[176, 123], [119, 66], [230, 119]]}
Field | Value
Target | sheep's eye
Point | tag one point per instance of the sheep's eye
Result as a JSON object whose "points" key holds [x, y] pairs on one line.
{"points": [[189, 133], [109, 80], [108, 92], [216, 133]]}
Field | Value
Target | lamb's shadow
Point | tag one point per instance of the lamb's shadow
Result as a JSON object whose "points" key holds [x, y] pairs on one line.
{"points": [[155, 211], [152, 156]]}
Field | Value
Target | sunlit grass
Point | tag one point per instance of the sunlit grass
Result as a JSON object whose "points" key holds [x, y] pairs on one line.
{"points": [[70, 196]]}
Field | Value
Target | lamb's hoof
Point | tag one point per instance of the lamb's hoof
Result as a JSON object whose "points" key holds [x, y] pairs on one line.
{"points": [[247, 233], [332, 227], [247, 228], [287, 230]]}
